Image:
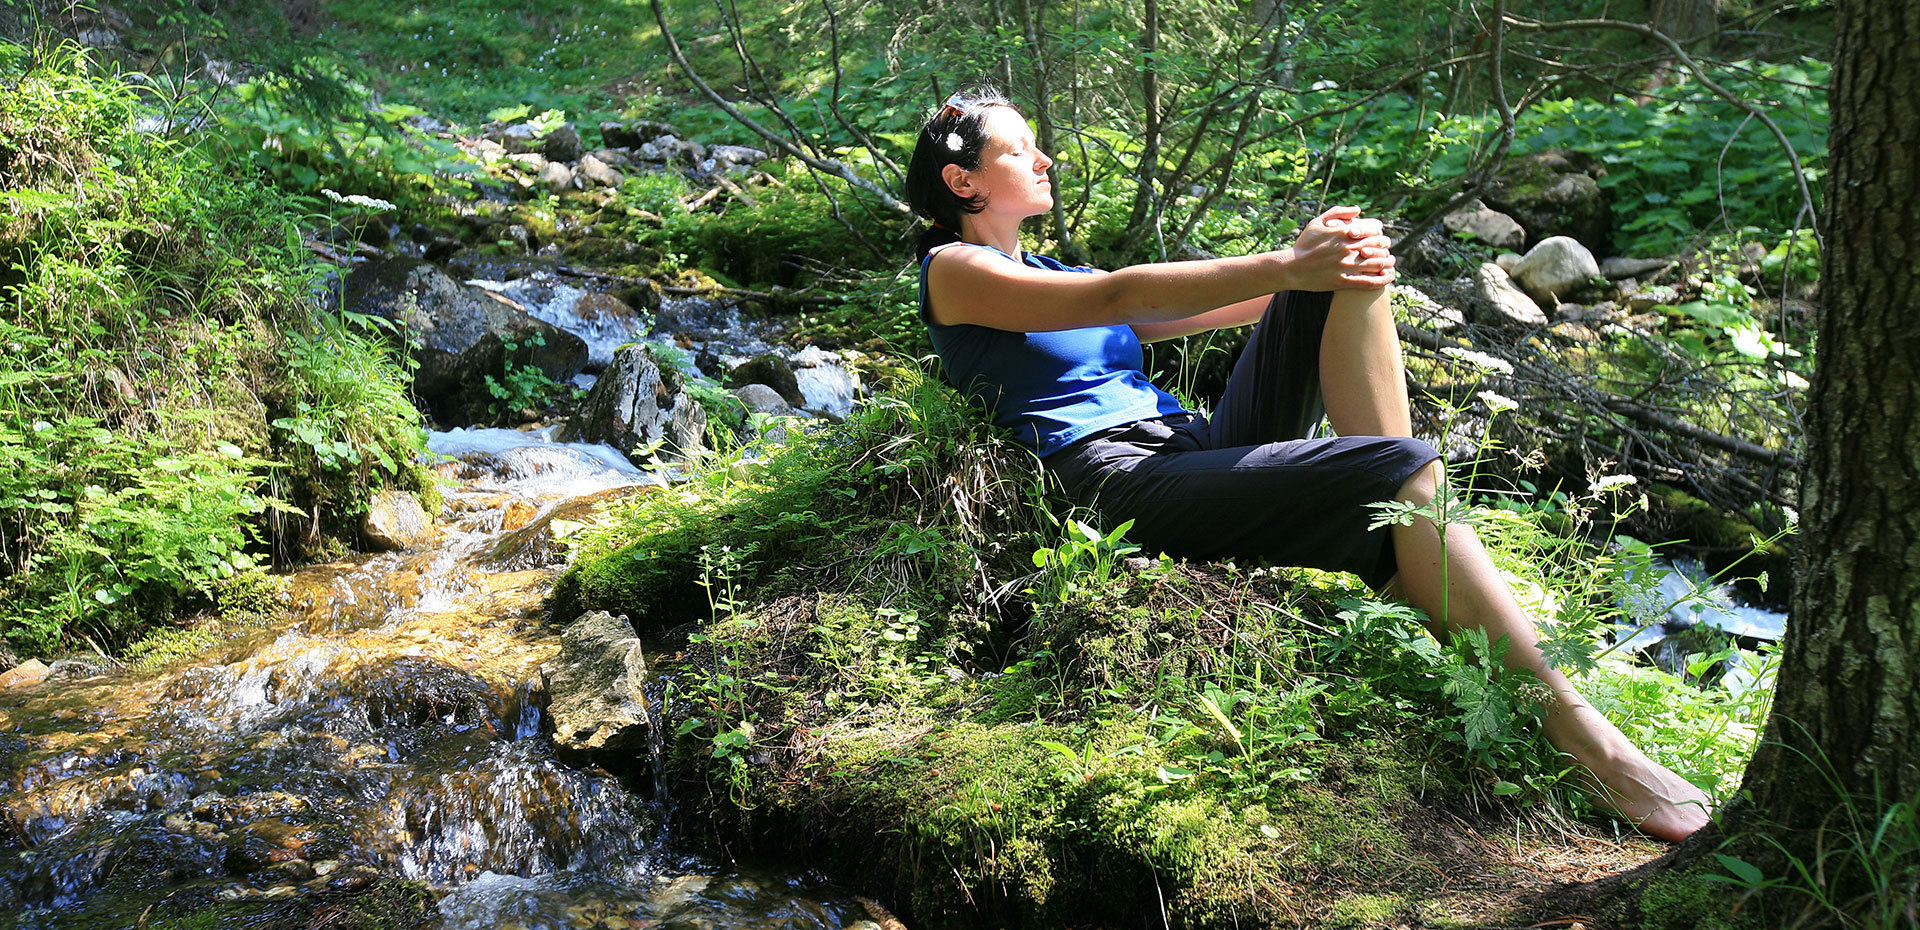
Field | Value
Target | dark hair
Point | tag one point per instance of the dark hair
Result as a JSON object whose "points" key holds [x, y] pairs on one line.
{"points": [[954, 136]]}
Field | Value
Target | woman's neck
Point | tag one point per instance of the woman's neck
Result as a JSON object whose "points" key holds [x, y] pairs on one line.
{"points": [[982, 230]]}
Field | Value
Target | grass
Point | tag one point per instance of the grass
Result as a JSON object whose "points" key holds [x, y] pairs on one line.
{"points": [[991, 743]]}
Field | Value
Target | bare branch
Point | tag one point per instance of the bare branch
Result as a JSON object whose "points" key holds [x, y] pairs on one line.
{"points": [[822, 164]]}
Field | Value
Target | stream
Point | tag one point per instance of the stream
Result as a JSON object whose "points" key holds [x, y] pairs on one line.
{"points": [[391, 726]]}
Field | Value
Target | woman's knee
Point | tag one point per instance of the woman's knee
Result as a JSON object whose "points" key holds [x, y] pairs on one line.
{"points": [[1424, 483]]}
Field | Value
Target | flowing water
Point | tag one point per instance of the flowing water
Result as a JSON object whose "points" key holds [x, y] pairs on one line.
{"points": [[391, 727]]}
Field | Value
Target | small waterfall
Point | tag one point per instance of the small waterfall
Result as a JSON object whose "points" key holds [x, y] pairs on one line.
{"points": [[393, 726]]}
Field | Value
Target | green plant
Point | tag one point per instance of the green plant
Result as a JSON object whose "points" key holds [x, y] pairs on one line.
{"points": [[521, 386], [1084, 559]]}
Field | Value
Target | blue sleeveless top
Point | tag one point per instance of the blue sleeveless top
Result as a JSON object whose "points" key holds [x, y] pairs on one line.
{"points": [[1053, 388]]}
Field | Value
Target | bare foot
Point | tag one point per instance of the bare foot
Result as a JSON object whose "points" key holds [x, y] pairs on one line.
{"points": [[1649, 795]]}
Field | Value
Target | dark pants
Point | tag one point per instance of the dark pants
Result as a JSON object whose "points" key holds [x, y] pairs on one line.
{"points": [[1250, 483]]}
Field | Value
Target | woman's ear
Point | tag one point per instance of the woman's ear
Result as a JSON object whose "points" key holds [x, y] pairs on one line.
{"points": [[959, 180]]}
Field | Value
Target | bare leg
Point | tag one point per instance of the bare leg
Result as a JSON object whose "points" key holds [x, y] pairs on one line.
{"points": [[1660, 802], [1361, 376]]}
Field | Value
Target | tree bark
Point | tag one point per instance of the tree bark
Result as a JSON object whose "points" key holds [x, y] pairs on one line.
{"points": [[1847, 714]]}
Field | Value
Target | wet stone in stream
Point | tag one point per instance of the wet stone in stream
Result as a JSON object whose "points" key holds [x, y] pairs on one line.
{"points": [[385, 748]]}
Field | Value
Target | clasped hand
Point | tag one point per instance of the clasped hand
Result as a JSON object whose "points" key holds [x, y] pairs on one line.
{"points": [[1342, 249]]}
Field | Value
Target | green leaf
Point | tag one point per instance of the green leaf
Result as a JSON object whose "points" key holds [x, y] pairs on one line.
{"points": [[1741, 870]]}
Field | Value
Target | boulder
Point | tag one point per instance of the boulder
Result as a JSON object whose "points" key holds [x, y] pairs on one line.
{"points": [[1487, 225], [639, 407], [771, 371], [25, 675], [1617, 267], [459, 335], [596, 172], [1556, 193], [760, 398], [556, 177], [633, 134], [598, 701], [673, 150], [395, 521], [1502, 304], [1556, 269], [562, 143]]}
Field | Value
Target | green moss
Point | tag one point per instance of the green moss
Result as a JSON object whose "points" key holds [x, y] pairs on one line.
{"points": [[1366, 910], [1682, 899]]}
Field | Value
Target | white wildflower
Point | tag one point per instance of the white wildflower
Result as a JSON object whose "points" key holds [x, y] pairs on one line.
{"points": [[1479, 359], [1609, 482], [1325, 85], [357, 200], [1498, 403]]}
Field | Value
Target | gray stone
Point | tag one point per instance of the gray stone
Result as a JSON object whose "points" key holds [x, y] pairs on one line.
{"points": [[674, 150], [639, 407], [519, 137], [530, 162], [1556, 193], [598, 699], [771, 371], [459, 335], [633, 134], [395, 521], [760, 398], [556, 177], [562, 143], [1487, 225], [1501, 303], [1557, 268], [597, 172], [616, 158], [1507, 261], [736, 154], [1617, 267], [1652, 297]]}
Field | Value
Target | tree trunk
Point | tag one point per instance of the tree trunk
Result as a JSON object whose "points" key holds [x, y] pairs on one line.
{"points": [[1847, 714]]}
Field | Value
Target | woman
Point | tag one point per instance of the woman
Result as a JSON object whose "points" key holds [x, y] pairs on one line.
{"points": [[1053, 353]]}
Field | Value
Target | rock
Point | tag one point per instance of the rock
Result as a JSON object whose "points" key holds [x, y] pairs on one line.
{"points": [[633, 134], [673, 150], [532, 163], [1501, 303], [459, 335], [1424, 311], [826, 388], [25, 675], [1507, 261], [1616, 267], [562, 143], [519, 137], [639, 407], [1575, 331], [760, 398], [1556, 268], [595, 171], [556, 177], [618, 158], [771, 371], [1553, 193], [1652, 297], [1487, 225], [736, 154], [395, 521], [598, 702]]}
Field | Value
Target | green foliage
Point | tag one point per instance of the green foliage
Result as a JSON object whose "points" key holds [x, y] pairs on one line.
{"points": [[143, 311]]}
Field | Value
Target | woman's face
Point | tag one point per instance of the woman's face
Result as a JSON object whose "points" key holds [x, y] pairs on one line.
{"points": [[1013, 170]]}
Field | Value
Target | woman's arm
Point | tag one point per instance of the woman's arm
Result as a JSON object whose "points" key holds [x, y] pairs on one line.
{"points": [[1227, 317], [979, 287]]}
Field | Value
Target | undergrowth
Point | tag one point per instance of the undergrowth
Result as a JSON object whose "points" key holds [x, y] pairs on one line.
{"points": [[1013, 734], [174, 410]]}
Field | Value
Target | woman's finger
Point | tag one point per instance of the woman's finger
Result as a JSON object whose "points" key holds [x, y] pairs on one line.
{"points": [[1365, 228]]}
